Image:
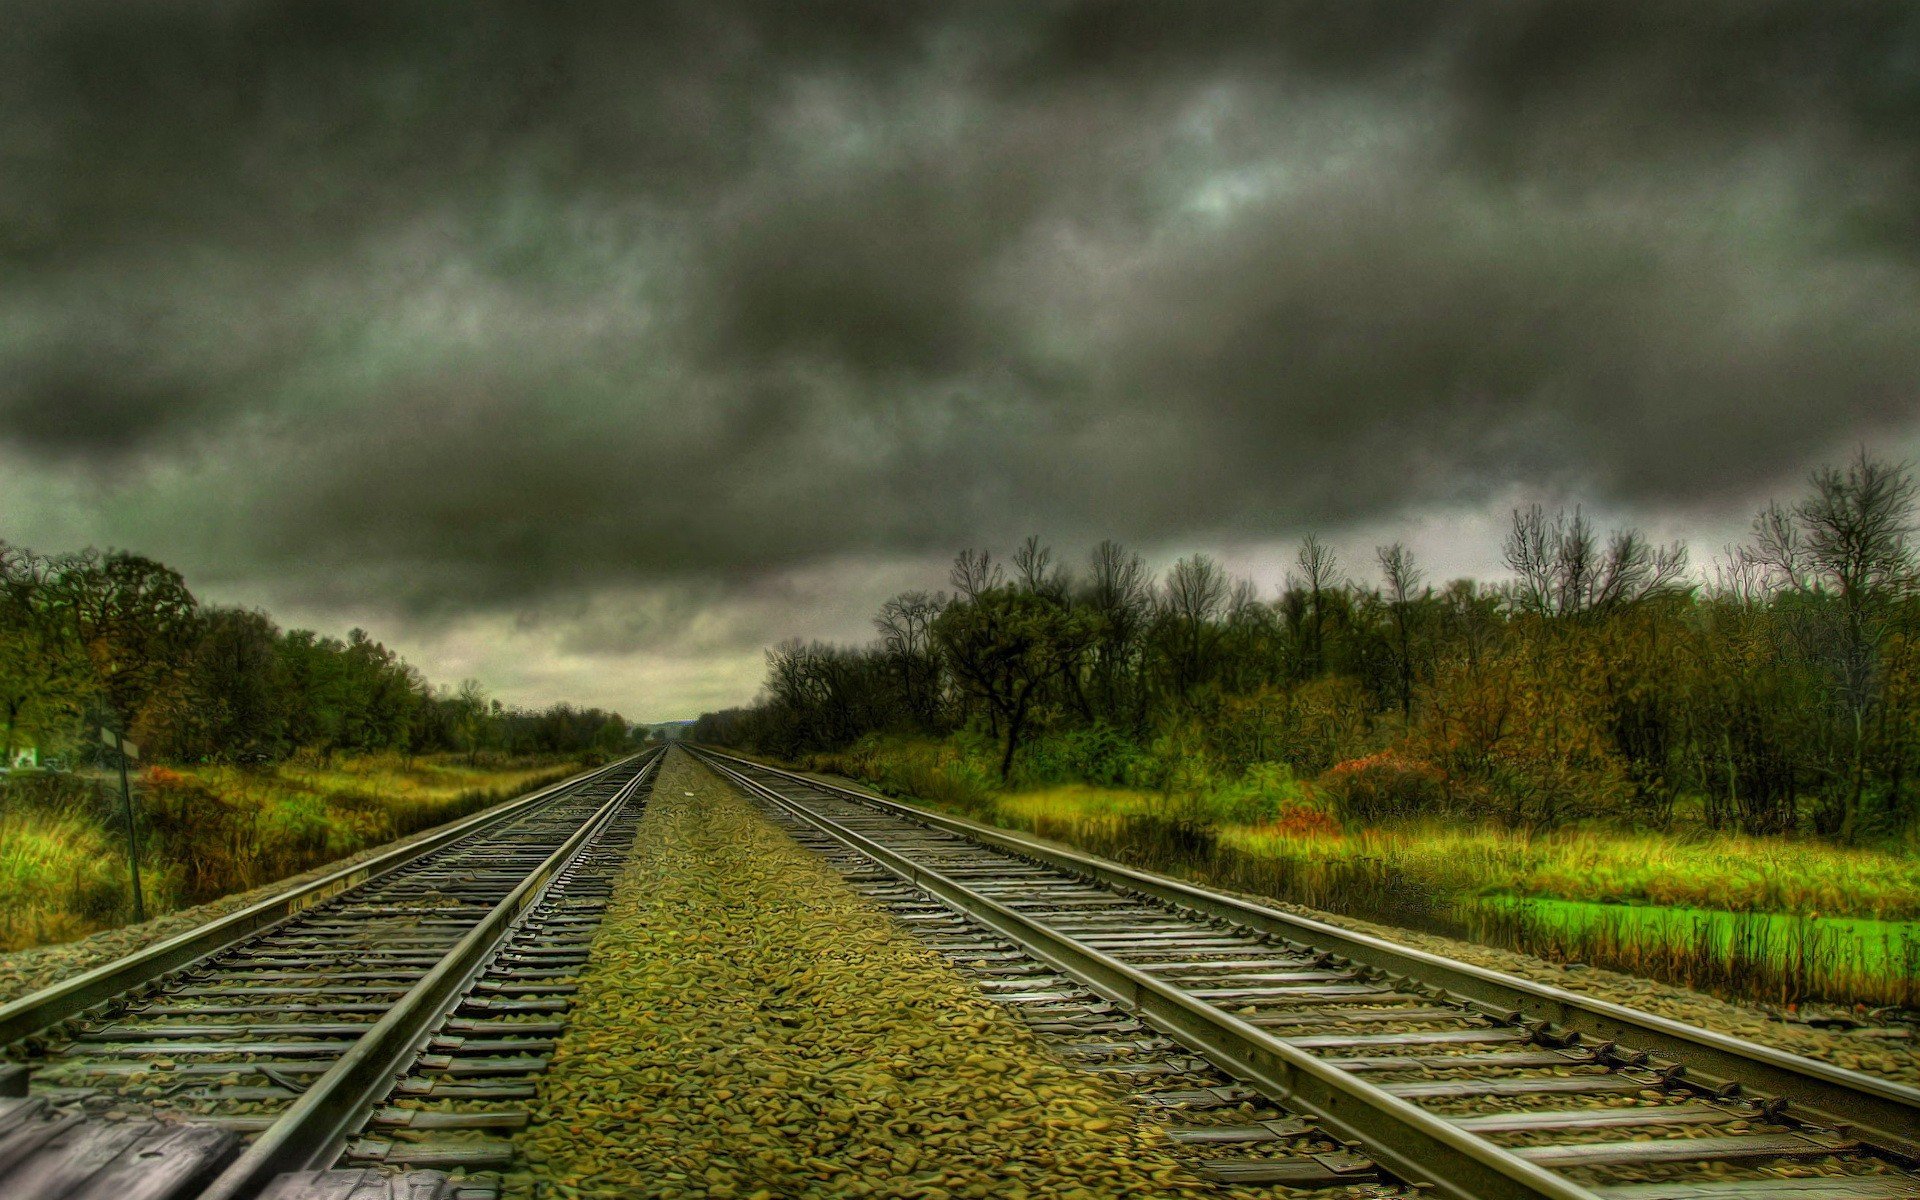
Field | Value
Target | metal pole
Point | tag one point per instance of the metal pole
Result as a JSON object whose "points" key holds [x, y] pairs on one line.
{"points": [[133, 836]]}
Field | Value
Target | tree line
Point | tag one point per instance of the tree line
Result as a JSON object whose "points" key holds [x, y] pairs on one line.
{"points": [[116, 640], [1778, 690]]}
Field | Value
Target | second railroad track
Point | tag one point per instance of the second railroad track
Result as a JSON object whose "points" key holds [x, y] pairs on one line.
{"points": [[1270, 1039]]}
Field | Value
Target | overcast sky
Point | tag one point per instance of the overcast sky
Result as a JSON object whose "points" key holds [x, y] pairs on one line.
{"points": [[587, 349]]}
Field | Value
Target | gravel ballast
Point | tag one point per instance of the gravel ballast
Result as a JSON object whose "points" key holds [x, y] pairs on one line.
{"points": [[750, 1027]]}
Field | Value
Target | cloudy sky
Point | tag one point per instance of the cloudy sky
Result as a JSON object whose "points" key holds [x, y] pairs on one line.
{"points": [[586, 348]]}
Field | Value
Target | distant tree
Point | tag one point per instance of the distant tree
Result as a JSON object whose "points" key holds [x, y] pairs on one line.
{"points": [[135, 621], [1404, 587], [1191, 603], [1563, 571], [974, 572], [468, 708], [233, 701], [1003, 646], [1119, 597], [905, 625], [1846, 553], [1035, 570], [315, 670], [1319, 578], [45, 684]]}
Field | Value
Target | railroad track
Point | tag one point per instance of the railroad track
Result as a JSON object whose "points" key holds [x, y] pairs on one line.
{"points": [[391, 1013], [1464, 1082]]}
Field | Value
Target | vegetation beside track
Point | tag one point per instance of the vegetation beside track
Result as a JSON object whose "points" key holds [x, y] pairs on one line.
{"points": [[259, 751], [1780, 920], [1857, 1041], [1607, 725], [749, 1026], [208, 831]]}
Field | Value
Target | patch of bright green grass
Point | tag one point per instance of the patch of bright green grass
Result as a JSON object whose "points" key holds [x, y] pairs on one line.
{"points": [[1853, 943]]}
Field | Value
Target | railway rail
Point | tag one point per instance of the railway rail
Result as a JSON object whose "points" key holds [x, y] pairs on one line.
{"points": [[1462, 1081], [404, 1002]]}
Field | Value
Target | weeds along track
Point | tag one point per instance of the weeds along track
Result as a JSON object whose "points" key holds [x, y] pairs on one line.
{"points": [[1289, 1052], [443, 966]]}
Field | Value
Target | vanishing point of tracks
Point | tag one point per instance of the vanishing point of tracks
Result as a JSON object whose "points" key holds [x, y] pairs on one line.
{"points": [[391, 1014], [1292, 1052]]}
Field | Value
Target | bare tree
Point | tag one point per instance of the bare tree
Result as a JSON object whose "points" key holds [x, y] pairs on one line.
{"points": [[1849, 545], [1035, 570], [1196, 590], [1119, 596], [905, 625], [1562, 571], [1404, 584], [974, 572], [1319, 577]]}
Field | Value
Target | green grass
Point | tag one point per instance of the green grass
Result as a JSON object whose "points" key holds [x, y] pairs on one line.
{"points": [[1769, 956], [61, 875], [1775, 919], [1867, 946], [210, 831], [1724, 872]]}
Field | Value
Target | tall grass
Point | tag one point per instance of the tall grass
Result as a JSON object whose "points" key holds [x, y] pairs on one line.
{"points": [[1737, 874], [1745, 955], [1750, 955], [210, 831], [937, 773], [1269, 835]]}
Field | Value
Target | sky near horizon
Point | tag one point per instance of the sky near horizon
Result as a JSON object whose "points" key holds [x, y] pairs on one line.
{"points": [[587, 349]]}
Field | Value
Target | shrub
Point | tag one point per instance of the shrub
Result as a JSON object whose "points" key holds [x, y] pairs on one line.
{"points": [[1268, 794], [940, 773], [1387, 786], [1098, 754]]}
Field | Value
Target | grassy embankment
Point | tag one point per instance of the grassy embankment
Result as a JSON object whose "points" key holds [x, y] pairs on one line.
{"points": [[1776, 920], [210, 831]]}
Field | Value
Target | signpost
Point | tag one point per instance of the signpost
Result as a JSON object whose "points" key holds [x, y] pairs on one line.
{"points": [[127, 750]]}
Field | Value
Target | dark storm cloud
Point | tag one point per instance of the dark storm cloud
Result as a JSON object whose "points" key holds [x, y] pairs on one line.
{"points": [[462, 310]]}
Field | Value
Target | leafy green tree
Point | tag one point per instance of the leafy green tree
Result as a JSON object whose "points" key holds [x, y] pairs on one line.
{"points": [[135, 622], [45, 684], [468, 708], [1003, 646], [233, 703]]}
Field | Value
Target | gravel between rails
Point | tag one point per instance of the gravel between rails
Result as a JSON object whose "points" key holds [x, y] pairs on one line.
{"points": [[1896, 1060], [750, 1027], [25, 971]]}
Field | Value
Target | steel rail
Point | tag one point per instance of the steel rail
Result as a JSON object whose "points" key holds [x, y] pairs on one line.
{"points": [[37, 1011], [310, 1134], [1879, 1112], [1402, 1138]]}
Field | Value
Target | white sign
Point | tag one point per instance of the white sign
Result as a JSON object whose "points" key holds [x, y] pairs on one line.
{"points": [[119, 743]]}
